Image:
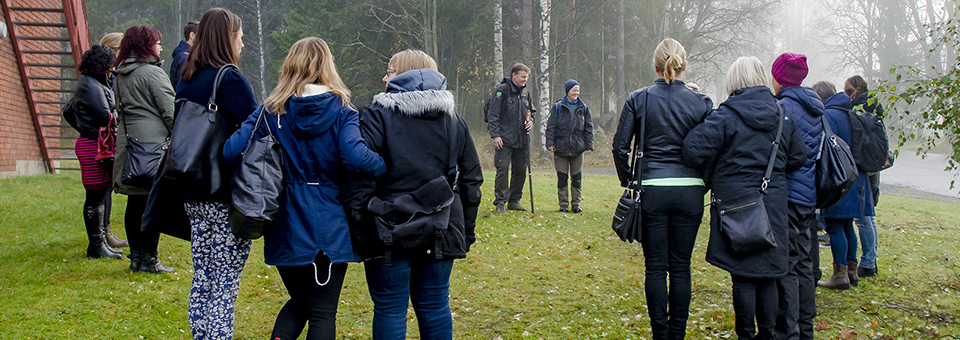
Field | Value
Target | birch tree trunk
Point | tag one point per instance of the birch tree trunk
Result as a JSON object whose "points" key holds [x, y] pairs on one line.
{"points": [[498, 39], [261, 51], [544, 76], [572, 43]]}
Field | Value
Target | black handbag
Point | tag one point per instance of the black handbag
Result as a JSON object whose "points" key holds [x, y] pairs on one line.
{"points": [[196, 143], [627, 218], [836, 169], [142, 160], [418, 220], [257, 184], [743, 219]]}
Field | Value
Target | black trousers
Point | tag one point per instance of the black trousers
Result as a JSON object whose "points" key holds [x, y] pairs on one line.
{"points": [[144, 241], [314, 293], [505, 159], [755, 306], [671, 219], [797, 290]]}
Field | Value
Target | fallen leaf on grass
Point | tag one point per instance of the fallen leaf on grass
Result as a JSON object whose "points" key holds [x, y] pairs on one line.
{"points": [[848, 334], [821, 325]]}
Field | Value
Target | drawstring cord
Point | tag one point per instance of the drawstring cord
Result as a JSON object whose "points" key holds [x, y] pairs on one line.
{"points": [[316, 279]]}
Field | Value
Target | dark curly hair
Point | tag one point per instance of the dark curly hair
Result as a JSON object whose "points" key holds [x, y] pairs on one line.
{"points": [[97, 60], [138, 42]]}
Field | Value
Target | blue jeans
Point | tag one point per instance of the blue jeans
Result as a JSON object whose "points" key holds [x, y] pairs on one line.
{"points": [[868, 241], [425, 282], [843, 240]]}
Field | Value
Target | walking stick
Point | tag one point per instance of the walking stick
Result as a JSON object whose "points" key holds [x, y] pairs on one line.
{"points": [[529, 169]]}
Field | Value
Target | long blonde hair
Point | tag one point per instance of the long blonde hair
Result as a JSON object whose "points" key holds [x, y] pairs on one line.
{"points": [[308, 62], [669, 59], [112, 40], [408, 59]]}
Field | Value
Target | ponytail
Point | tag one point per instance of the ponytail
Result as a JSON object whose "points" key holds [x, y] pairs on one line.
{"points": [[669, 59]]}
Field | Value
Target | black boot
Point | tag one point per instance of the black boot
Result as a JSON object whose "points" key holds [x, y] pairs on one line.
{"points": [[151, 264], [134, 260], [93, 221]]}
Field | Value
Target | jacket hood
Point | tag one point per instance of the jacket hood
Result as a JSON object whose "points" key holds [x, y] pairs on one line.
{"points": [[418, 93], [182, 47], [806, 97], [313, 114], [130, 64], [839, 99], [754, 105], [513, 87]]}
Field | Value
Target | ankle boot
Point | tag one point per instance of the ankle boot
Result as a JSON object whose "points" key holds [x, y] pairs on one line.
{"points": [[92, 220], [839, 279], [151, 264], [134, 260], [852, 273], [112, 239]]}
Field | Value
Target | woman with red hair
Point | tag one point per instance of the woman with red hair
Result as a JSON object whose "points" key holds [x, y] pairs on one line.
{"points": [[145, 114]]}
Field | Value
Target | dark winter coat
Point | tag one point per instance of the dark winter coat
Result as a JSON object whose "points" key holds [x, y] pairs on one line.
{"points": [[235, 101], [145, 112], [93, 103], [738, 136], [876, 108], [858, 201], [507, 114], [318, 135], [672, 111], [806, 107], [180, 54], [407, 127], [569, 128]]}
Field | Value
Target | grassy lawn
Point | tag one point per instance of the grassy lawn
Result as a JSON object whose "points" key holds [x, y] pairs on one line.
{"points": [[548, 276]]}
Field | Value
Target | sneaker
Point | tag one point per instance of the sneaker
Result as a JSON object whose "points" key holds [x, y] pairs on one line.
{"points": [[516, 206], [576, 209], [500, 209], [564, 209]]}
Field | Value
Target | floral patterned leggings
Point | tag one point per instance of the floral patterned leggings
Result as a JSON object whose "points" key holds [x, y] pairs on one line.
{"points": [[218, 260]]}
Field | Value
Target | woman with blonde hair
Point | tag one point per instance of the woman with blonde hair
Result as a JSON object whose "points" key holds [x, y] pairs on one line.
{"points": [[733, 146], [672, 192], [309, 113], [112, 40], [417, 113]]}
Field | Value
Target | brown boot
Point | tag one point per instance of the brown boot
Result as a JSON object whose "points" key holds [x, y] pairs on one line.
{"points": [[112, 239], [839, 279], [852, 273]]}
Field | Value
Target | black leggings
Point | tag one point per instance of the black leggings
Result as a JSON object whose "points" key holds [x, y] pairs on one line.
{"points": [[755, 300], [144, 241], [314, 293]]}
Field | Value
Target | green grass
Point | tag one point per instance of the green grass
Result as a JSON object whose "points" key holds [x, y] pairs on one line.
{"points": [[548, 276]]}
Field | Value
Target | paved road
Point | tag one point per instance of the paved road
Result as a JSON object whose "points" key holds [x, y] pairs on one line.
{"points": [[910, 176]]}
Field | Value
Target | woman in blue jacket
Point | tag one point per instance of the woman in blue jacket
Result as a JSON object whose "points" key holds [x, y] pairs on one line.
{"points": [[309, 112], [569, 135]]}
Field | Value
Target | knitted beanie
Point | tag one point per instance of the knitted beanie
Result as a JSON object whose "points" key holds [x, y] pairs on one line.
{"points": [[789, 69], [569, 85]]}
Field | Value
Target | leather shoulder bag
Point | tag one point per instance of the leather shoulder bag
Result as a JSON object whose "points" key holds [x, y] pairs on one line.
{"points": [[257, 184], [627, 219]]}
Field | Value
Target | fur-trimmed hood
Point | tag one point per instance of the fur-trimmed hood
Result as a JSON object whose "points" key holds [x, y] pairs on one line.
{"points": [[417, 93]]}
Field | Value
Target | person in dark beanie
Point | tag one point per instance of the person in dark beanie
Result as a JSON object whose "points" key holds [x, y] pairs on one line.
{"points": [[510, 119], [569, 135], [798, 288], [182, 51]]}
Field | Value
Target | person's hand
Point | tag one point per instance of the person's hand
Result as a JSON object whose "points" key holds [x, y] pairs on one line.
{"points": [[551, 149], [590, 150], [498, 143], [529, 125]]}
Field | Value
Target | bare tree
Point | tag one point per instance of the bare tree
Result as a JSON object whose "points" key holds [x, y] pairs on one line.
{"points": [[544, 76], [498, 38]]}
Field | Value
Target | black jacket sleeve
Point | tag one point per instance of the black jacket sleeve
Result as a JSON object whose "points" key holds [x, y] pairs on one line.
{"points": [[587, 128], [493, 111], [623, 139], [552, 125], [471, 178]]}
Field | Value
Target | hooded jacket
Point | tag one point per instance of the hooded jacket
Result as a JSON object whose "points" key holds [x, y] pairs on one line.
{"points": [[180, 54], [734, 145], [407, 126], [320, 139], [145, 111], [569, 128], [858, 202], [93, 104], [806, 107], [508, 114], [672, 110]]}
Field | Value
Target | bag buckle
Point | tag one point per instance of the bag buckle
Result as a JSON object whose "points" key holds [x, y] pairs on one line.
{"points": [[212, 107], [763, 186]]}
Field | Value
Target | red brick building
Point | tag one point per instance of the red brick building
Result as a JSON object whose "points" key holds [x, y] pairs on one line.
{"points": [[38, 39]]}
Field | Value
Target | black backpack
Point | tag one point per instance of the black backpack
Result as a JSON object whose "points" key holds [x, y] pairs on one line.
{"points": [[868, 140], [486, 106]]}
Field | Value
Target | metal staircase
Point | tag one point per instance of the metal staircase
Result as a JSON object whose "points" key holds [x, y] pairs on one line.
{"points": [[49, 37]]}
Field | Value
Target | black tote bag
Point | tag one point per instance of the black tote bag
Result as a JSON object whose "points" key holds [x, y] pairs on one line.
{"points": [[196, 144], [257, 185], [836, 169], [142, 160]]}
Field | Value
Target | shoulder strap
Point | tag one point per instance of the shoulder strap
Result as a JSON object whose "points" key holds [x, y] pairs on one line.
{"points": [[212, 103], [454, 136], [638, 154], [773, 154]]}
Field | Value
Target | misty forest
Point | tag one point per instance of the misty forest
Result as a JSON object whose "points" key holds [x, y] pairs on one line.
{"points": [[606, 45]]}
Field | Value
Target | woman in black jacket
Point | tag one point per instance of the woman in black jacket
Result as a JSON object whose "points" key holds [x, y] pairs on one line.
{"points": [[414, 127], [569, 135], [93, 107], [672, 191], [733, 145]]}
